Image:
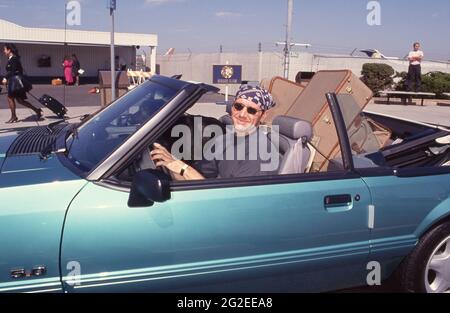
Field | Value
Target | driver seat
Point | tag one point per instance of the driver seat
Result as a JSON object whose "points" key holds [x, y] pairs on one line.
{"points": [[294, 135]]}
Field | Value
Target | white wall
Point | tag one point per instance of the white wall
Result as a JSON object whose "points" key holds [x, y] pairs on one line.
{"points": [[198, 67], [91, 58], [355, 64]]}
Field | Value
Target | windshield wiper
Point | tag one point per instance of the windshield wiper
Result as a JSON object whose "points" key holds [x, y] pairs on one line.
{"points": [[49, 149], [74, 133], [44, 154], [51, 126]]}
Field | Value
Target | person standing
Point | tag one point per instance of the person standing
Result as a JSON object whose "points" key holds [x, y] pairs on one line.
{"points": [[415, 57], [298, 78], [75, 69], [67, 64], [120, 64], [14, 67]]}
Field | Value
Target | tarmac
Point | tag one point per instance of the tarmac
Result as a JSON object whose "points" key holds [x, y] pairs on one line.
{"points": [[431, 114], [79, 101]]}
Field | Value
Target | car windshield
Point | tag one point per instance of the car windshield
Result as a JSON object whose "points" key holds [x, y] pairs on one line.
{"points": [[103, 133]]}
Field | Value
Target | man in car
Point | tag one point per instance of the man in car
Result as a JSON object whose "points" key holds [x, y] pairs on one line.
{"points": [[241, 156]]}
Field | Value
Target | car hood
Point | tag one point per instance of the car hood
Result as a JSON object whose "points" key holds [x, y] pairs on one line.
{"points": [[21, 162], [35, 194], [6, 139]]}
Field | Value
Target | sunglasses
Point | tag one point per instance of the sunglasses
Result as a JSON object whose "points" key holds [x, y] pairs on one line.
{"points": [[239, 107]]}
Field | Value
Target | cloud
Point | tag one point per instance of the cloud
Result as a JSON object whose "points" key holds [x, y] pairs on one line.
{"points": [[226, 14]]}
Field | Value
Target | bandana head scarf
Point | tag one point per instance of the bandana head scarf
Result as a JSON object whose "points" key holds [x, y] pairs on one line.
{"points": [[257, 95]]}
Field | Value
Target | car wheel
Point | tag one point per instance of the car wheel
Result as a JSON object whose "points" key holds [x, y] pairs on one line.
{"points": [[427, 269]]}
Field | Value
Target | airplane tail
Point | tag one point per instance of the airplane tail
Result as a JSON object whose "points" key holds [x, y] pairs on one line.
{"points": [[170, 52]]}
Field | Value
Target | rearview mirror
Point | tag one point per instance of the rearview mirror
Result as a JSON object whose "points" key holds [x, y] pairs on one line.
{"points": [[148, 187]]}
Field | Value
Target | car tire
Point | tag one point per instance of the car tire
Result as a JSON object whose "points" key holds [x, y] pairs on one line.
{"points": [[416, 273]]}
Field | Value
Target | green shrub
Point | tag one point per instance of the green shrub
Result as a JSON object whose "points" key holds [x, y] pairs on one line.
{"points": [[435, 82], [401, 84], [377, 76]]}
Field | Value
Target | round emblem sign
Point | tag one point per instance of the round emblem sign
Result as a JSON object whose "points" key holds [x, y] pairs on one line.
{"points": [[227, 72]]}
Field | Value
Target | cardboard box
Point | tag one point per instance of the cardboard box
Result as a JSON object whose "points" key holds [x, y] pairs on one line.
{"points": [[56, 82]]}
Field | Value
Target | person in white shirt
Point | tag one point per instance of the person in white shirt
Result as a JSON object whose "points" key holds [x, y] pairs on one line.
{"points": [[415, 57]]}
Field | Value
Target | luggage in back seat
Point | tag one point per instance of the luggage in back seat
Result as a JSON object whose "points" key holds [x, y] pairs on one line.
{"points": [[284, 93], [311, 105]]}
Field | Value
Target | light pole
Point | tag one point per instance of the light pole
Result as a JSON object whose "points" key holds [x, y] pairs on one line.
{"points": [[288, 44], [112, 8], [287, 47]]}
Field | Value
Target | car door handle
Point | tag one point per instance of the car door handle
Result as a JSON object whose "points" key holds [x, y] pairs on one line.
{"points": [[18, 273], [338, 203]]}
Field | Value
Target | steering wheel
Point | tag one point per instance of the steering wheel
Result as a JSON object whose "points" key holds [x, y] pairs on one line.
{"points": [[146, 162], [126, 120]]}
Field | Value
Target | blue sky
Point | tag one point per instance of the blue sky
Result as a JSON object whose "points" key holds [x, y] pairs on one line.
{"points": [[334, 26]]}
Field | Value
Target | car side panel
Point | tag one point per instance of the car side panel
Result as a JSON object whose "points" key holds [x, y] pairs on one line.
{"points": [[31, 221], [439, 213], [258, 238], [405, 208]]}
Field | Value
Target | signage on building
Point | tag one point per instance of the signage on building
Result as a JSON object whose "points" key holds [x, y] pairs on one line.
{"points": [[227, 74]]}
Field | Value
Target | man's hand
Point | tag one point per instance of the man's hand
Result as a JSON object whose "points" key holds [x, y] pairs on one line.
{"points": [[4, 81], [162, 157]]}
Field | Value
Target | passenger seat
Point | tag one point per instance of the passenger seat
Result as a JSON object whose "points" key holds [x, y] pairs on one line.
{"points": [[293, 139]]}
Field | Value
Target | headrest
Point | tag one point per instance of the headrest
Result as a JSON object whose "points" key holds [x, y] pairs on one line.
{"points": [[293, 128]]}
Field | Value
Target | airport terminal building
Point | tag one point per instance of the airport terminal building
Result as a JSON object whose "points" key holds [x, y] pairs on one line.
{"points": [[43, 50]]}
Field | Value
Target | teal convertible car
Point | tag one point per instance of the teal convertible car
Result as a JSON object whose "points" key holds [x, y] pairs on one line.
{"points": [[83, 208]]}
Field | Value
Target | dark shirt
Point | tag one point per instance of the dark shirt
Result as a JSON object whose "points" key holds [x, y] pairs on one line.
{"points": [[75, 67], [13, 67], [241, 157]]}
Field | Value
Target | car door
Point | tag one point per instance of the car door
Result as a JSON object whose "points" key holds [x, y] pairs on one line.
{"points": [[274, 234]]}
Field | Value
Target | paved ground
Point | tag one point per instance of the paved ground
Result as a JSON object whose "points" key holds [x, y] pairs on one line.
{"points": [[73, 96], [70, 95], [78, 100], [433, 114], [27, 117]]}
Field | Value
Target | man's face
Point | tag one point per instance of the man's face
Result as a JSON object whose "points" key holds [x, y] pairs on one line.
{"points": [[416, 47], [244, 121]]}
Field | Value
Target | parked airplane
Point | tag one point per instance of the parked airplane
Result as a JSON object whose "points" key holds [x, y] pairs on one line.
{"points": [[375, 54]]}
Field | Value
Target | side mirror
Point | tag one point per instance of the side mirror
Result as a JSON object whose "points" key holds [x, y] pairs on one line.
{"points": [[148, 187]]}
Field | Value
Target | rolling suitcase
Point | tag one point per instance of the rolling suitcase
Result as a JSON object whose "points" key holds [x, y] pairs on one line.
{"points": [[52, 104], [284, 93], [311, 105]]}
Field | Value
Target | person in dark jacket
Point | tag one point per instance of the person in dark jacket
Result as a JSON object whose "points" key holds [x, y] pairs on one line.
{"points": [[14, 67], [75, 68]]}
